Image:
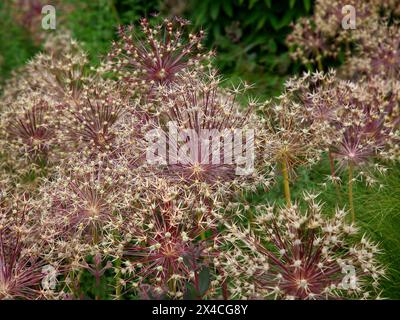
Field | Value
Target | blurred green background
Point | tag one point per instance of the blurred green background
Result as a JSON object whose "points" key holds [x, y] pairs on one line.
{"points": [[249, 35]]}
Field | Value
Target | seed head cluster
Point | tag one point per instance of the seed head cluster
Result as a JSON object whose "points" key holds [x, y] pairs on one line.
{"points": [[129, 173]]}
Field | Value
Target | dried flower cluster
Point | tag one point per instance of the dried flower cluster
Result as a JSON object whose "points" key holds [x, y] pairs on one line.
{"points": [[292, 254], [360, 104], [376, 55], [323, 37], [143, 158], [20, 245], [157, 54], [359, 118], [211, 144]]}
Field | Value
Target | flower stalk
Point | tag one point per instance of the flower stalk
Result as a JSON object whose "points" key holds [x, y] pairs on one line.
{"points": [[351, 200], [286, 185]]}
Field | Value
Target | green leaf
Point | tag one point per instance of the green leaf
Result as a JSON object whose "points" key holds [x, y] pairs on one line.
{"points": [[272, 47], [215, 11], [252, 3], [274, 22], [307, 5], [190, 293], [216, 31], [228, 8], [204, 281], [292, 3], [268, 3], [261, 22], [287, 19]]}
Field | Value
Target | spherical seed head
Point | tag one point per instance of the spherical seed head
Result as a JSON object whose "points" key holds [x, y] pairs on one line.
{"points": [[207, 139], [356, 122], [27, 129], [20, 249], [301, 255], [322, 35], [166, 247], [156, 55]]}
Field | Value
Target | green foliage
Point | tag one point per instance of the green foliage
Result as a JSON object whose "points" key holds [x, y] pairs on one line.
{"points": [[249, 36], [131, 11], [98, 288], [16, 46], [203, 280], [379, 214], [95, 22]]}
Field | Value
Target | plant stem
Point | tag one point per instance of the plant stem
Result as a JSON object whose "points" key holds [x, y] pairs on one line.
{"points": [[286, 186], [95, 235], [73, 287], [171, 282], [115, 12], [118, 279], [351, 202], [320, 67], [332, 165], [318, 59]]}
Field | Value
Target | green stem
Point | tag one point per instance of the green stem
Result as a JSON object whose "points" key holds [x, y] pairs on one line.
{"points": [[95, 235], [73, 288], [115, 12], [351, 201], [320, 67], [318, 59], [286, 185], [332, 165], [171, 282], [118, 286]]}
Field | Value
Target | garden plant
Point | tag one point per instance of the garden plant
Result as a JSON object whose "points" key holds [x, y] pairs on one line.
{"points": [[200, 150]]}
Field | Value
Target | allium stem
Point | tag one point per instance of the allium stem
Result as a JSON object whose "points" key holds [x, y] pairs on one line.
{"points": [[286, 186], [171, 282], [95, 235], [318, 59], [332, 165], [118, 279], [74, 289], [320, 67], [115, 12], [351, 202]]}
